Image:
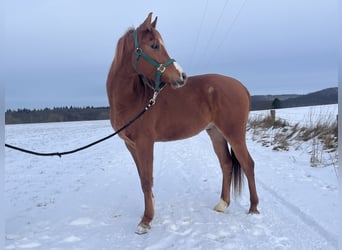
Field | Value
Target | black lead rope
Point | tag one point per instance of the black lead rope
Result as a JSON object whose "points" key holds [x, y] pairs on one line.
{"points": [[60, 154]]}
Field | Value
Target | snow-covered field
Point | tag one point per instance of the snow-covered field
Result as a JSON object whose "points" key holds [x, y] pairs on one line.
{"points": [[306, 116], [93, 200]]}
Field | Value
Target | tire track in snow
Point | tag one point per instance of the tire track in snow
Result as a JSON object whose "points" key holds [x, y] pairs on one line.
{"points": [[301, 215]]}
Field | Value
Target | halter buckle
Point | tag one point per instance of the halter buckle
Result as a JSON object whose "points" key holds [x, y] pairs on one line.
{"points": [[161, 68], [138, 51]]}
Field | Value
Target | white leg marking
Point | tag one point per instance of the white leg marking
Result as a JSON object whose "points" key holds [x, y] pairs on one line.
{"points": [[221, 206], [142, 229]]}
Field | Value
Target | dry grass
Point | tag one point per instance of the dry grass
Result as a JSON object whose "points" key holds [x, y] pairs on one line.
{"points": [[282, 136], [266, 122]]}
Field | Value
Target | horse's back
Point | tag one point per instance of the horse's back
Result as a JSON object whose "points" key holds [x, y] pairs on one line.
{"points": [[222, 88], [216, 79]]}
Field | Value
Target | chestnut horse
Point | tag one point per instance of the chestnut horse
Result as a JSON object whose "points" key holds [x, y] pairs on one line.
{"points": [[186, 106]]}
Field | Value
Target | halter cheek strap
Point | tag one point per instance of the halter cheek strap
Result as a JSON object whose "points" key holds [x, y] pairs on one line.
{"points": [[160, 67]]}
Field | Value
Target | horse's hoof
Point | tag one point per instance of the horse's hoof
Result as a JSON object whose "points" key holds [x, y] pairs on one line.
{"points": [[221, 206], [254, 211], [142, 229]]}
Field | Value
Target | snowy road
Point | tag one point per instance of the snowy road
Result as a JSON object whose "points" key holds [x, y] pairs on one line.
{"points": [[93, 200]]}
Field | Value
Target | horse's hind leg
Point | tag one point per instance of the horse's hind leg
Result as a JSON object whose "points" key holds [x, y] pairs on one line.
{"points": [[240, 148], [236, 137], [221, 149]]}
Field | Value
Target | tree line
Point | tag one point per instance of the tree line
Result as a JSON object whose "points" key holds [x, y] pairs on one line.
{"points": [[60, 114], [65, 114]]}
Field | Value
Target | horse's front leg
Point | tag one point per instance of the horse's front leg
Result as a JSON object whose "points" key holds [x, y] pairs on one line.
{"points": [[143, 156]]}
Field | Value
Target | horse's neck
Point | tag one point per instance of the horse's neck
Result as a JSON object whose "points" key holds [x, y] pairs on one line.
{"points": [[127, 90]]}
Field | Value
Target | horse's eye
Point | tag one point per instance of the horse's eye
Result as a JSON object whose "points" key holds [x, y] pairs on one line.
{"points": [[155, 46]]}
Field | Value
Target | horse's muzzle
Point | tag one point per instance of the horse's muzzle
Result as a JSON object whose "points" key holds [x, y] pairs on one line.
{"points": [[179, 83]]}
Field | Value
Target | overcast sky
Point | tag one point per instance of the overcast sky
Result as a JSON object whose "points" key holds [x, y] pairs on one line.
{"points": [[58, 53]]}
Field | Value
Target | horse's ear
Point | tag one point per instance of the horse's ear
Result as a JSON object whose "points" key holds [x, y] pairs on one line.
{"points": [[147, 23], [154, 23]]}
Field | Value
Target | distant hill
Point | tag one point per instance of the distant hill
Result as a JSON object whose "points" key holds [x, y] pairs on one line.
{"points": [[322, 97], [325, 96]]}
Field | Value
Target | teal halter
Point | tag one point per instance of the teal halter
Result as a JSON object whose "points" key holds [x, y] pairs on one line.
{"points": [[159, 66]]}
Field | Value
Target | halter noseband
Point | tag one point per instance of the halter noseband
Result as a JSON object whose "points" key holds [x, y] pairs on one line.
{"points": [[161, 67]]}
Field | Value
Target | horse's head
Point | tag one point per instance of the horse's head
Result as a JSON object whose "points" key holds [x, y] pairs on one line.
{"points": [[151, 59]]}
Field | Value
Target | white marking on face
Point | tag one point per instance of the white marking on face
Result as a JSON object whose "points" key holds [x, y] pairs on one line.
{"points": [[179, 69]]}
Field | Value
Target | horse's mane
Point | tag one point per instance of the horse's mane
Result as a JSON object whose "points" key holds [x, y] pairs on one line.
{"points": [[121, 48]]}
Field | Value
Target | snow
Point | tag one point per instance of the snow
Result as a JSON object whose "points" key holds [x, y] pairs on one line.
{"points": [[93, 200], [306, 116]]}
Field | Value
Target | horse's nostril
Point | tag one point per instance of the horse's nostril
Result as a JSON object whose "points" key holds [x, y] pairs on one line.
{"points": [[184, 76]]}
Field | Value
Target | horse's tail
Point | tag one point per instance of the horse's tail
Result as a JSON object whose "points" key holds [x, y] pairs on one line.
{"points": [[237, 175]]}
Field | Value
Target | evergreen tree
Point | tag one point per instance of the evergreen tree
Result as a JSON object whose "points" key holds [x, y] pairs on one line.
{"points": [[276, 104]]}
